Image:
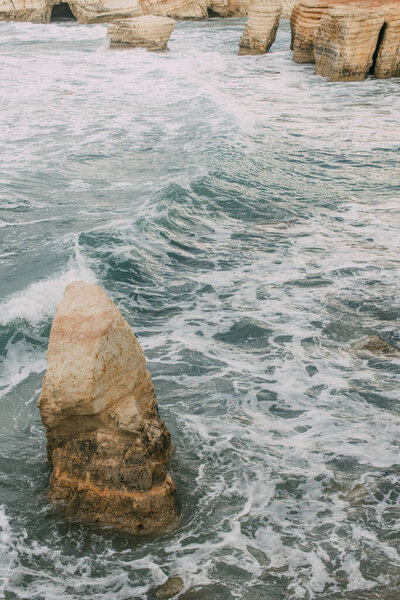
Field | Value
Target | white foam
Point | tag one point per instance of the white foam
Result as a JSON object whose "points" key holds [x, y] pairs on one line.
{"points": [[38, 302]]}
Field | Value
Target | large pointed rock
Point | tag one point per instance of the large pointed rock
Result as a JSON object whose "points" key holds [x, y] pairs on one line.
{"points": [[105, 440], [261, 27]]}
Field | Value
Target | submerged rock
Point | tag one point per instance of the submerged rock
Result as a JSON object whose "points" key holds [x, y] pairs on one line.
{"points": [[170, 588], [261, 27], [84, 11], [148, 32], [373, 345], [105, 440]]}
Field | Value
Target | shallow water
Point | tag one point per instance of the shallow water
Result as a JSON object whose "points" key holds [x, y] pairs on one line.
{"points": [[244, 215]]}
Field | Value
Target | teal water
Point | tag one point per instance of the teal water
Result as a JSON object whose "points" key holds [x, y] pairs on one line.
{"points": [[244, 215]]}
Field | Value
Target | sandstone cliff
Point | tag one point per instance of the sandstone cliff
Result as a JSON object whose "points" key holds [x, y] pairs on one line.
{"points": [[148, 32], [305, 25], [240, 8], [97, 11], [101, 11], [106, 443], [261, 27], [345, 42]]}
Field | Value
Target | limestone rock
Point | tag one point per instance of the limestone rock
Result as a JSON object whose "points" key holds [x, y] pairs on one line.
{"points": [[107, 11], [176, 9], [228, 8], [307, 15], [85, 11], [305, 18], [101, 11], [387, 63], [105, 440], [240, 8], [261, 27], [345, 42], [373, 345], [287, 7], [148, 32], [170, 588]]}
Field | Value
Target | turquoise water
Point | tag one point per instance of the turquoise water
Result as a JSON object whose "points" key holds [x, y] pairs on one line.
{"points": [[244, 215]]}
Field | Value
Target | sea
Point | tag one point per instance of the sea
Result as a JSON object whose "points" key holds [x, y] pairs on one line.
{"points": [[243, 214]]}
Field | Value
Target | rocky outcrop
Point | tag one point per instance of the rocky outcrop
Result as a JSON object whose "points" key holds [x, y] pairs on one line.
{"points": [[176, 9], [85, 11], [306, 26], [261, 27], [105, 440], [107, 11], [387, 59], [101, 11], [240, 8], [305, 19], [148, 32], [345, 42]]}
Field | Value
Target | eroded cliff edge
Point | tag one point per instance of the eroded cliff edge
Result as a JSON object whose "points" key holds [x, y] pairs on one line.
{"points": [[105, 440]]}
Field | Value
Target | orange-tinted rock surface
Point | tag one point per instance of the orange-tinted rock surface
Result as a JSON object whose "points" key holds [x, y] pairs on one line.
{"points": [[148, 32], [345, 43], [261, 27], [105, 440]]}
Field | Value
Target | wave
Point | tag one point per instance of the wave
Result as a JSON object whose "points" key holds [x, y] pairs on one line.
{"points": [[38, 302]]}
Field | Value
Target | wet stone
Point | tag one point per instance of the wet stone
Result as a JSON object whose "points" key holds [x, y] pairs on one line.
{"points": [[374, 345], [170, 588]]}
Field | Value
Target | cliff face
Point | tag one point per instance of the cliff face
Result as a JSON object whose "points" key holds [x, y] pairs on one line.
{"points": [[305, 18], [387, 63], [106, 443], [261, 27], [344, 43], [97, 11], [148, 32], [101, 11], [348, 39]]}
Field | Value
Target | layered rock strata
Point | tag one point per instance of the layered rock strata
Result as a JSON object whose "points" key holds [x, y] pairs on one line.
{"points": [[240, 8], [98, 11], [345, 42], [387, 59], [306, 20], [148, 32], [261, 27], [176, 9], [105, 440], [101, 11]]}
